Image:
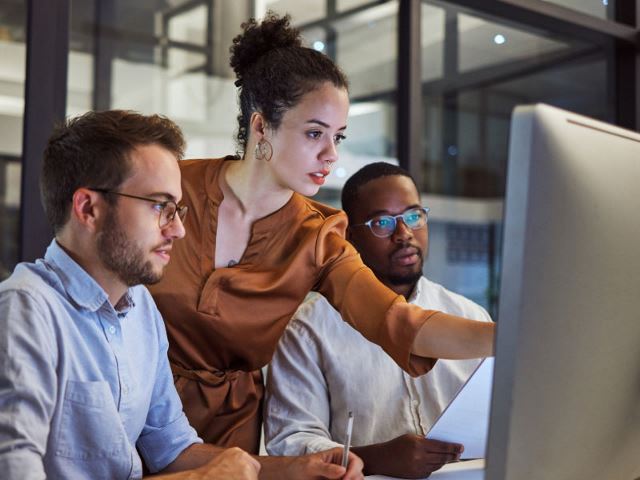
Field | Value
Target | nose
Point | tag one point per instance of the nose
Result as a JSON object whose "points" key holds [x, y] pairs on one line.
{"points": [[330, 153], [175, 229], [402, 233]]}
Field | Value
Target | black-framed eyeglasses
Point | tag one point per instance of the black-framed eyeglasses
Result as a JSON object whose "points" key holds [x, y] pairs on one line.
{"points": [[167, 209], [385, 225]]}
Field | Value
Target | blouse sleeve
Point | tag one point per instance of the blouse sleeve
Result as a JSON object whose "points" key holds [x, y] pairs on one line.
{"points": [[378, 313]]}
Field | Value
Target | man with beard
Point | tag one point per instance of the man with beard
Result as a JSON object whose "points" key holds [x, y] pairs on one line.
{"points": [[84, 379], [85, 385], [323, 369]]}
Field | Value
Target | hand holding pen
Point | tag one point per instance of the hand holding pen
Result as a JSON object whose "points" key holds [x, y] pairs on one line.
{"points": [[344, 458]]}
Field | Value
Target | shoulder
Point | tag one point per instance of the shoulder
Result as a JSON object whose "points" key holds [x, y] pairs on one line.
{"points": [[199, 180], [198, 173], [32, 282], [319, 216], [31, 302], [196, 166], [321, 227], [320, 209], [435, 296]]}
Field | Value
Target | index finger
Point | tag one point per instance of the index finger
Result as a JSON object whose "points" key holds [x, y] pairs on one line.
{"points": [[354, 468]]}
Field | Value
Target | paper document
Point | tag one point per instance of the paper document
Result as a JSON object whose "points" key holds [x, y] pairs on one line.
{"points": [[466, 418]]}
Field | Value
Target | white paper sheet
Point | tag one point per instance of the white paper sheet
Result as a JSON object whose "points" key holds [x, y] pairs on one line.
{"points": [[466, 418]]}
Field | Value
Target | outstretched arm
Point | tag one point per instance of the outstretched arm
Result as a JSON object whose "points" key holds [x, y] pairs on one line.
{"points": [[448, 336], [411, 335]]}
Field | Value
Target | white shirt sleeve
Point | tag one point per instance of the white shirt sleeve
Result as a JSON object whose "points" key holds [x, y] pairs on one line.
{"points": [[297, 407]]}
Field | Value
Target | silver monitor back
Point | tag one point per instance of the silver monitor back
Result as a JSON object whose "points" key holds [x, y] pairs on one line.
{"points": [[566, 395]]}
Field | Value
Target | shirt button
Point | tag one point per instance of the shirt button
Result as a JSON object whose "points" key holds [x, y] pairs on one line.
{"points": [[112, 329]]}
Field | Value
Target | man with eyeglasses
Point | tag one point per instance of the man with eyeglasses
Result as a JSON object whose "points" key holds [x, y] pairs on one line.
{"points": [[85, 386], [323, 369], [86, 391]]}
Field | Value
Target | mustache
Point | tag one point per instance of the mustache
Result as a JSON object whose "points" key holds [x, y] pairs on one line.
{"points": [[404, 249], [167, 243]]}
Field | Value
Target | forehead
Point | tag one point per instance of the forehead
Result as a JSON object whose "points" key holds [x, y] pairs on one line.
{"points": [[154, 170], [327, 103], [392, 194]]}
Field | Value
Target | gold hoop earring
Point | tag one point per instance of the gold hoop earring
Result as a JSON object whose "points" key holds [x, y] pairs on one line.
{"points": [[263, 151]]}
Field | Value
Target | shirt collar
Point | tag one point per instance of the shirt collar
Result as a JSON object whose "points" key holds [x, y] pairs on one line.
{"points": [[79, 285], [415, 294]]}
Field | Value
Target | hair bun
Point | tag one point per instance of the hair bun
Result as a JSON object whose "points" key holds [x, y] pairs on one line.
{"points": [[258, 39]]}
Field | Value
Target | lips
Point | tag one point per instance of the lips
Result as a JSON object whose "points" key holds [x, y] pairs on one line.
{"points": [[319, 177], [406, 256], [163, 252]]}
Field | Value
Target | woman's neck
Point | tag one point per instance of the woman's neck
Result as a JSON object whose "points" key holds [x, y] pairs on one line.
{"points": [[253, 188]]}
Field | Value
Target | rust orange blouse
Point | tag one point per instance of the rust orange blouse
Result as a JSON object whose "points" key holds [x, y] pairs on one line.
{"points": [[224, 324]]}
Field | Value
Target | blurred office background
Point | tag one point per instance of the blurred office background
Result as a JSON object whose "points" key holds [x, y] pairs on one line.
{"points": [[433, 84]]}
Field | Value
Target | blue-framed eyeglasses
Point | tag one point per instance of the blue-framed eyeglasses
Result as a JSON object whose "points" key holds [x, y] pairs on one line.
{"points": [[385, 225]]}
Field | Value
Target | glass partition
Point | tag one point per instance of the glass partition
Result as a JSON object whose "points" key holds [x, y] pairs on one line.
{"points": [[168, 57], [12, 78], [475, 71], [364, 44], [596, 8]]}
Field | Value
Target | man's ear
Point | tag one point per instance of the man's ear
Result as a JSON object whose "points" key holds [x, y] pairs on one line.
{"points": [[87, 208]]}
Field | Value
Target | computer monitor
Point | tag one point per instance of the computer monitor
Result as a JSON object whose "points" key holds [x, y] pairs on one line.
{"points": [[566, 394]]}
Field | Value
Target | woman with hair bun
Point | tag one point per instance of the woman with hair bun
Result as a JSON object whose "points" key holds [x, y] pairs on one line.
{"points": [[255, 245]]}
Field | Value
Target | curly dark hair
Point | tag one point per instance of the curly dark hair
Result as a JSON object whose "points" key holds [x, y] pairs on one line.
{"points": [[274, 71], [93, 150]]}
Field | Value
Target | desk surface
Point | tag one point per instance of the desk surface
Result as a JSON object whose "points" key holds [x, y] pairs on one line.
{"points": [[470, 470]]}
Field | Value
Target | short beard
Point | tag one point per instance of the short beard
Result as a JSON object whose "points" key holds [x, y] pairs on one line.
{"points": [[408, 279], [123, 257]]}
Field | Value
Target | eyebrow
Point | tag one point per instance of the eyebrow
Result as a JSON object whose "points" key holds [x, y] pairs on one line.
{"points": [[165, 195], [324, 124], [376, 213]]}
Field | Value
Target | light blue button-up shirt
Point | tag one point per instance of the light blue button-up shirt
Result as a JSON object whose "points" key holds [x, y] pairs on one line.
{"points": [[82, 384]]}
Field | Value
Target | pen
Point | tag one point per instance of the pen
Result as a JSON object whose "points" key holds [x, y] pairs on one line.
{"points": [[347, 440]]}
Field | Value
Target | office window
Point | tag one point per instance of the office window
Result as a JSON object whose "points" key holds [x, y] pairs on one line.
{"points": [[168, 57], [343, 5], [486, 44], [301, 11], [12, 79], [475, 71], [364, 44], [596, 8], [367, 51]]}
